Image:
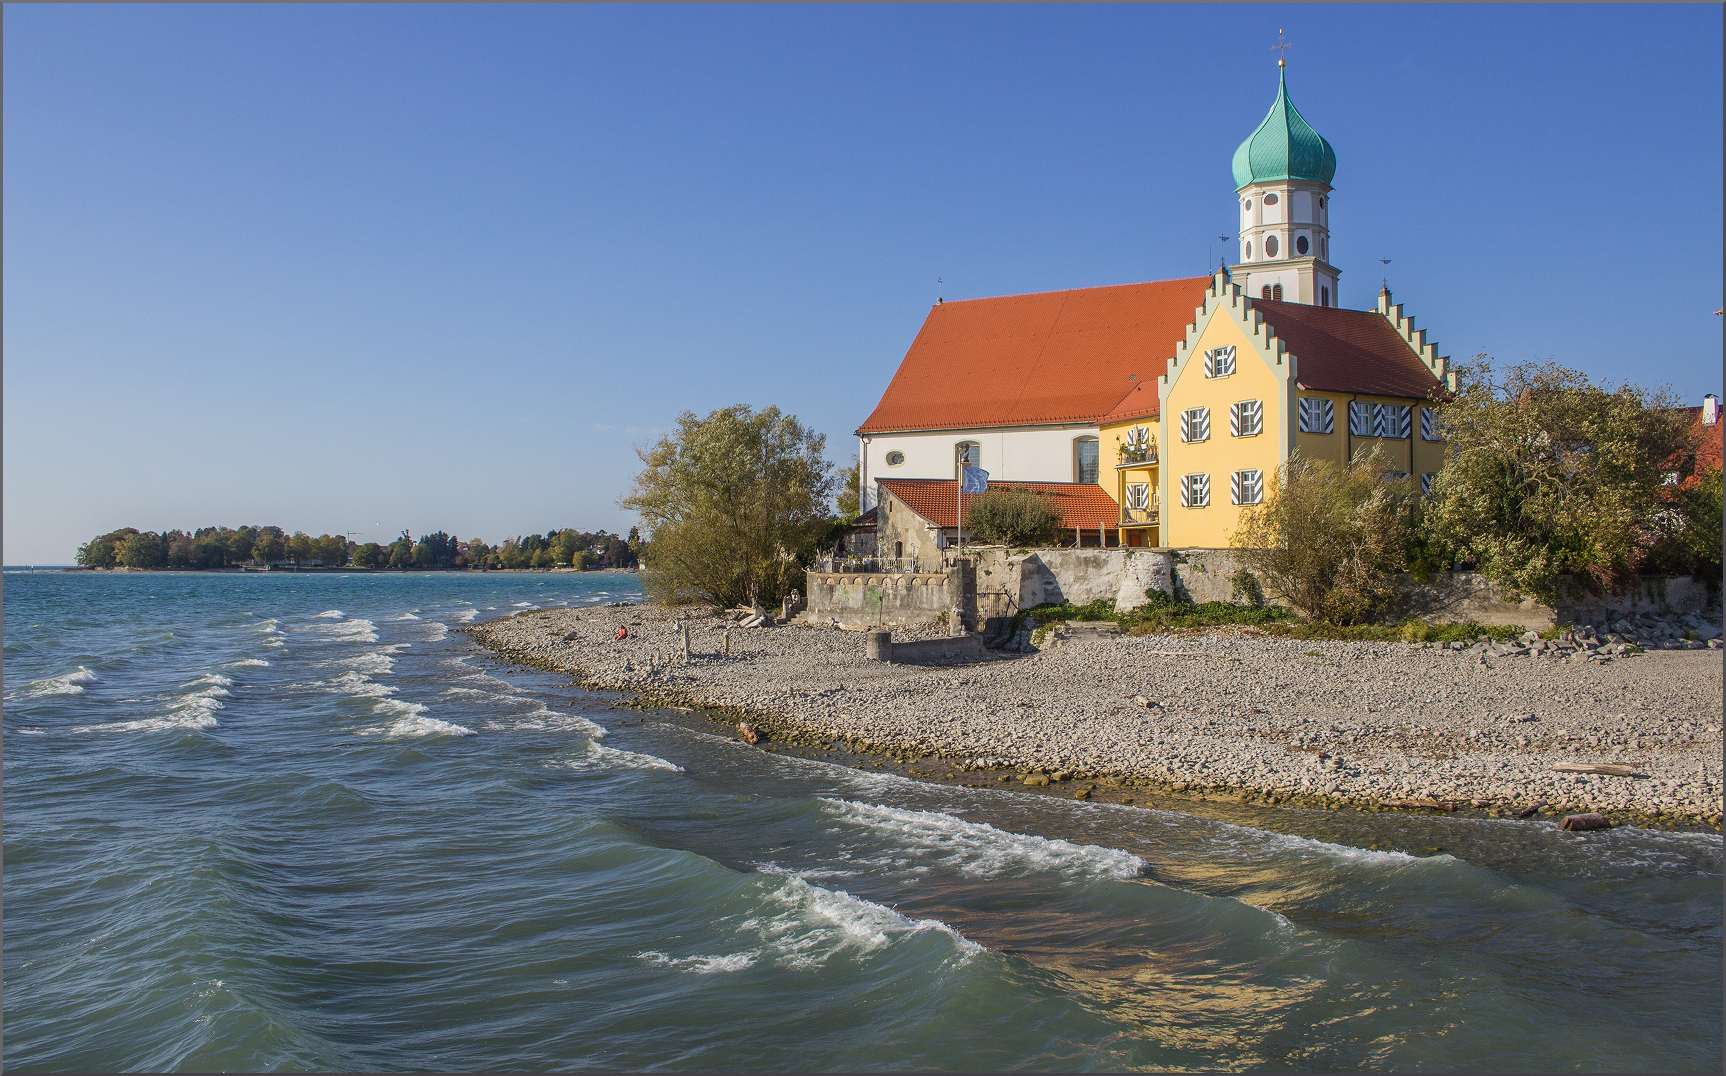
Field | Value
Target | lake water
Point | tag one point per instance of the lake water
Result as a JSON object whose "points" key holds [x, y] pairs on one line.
{"points": [[294, 821]]}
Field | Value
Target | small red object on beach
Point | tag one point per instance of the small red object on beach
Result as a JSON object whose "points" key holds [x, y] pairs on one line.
{"points": [[622, 633]]}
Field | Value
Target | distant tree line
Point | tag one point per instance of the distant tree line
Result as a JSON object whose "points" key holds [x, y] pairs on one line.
{"points": [[211, 548]]}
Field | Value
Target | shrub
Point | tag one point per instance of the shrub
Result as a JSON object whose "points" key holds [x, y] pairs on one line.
{"points": [[1015, 517], [1327, 538]]}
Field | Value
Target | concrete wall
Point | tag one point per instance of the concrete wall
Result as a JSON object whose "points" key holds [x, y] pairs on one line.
{"points": [[878, 600]]}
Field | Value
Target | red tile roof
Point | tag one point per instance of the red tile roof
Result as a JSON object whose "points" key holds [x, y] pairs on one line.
{"points": [[1142, 402], [1020, 360], [1339, 350], [1081, 504]]}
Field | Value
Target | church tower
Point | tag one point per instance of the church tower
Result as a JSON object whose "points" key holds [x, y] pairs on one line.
{"points": [[1282, 179]]}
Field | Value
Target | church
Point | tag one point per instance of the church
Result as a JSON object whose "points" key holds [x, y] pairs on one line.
{"points": [[1153, 413]]}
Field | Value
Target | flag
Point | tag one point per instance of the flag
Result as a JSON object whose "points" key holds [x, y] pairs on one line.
{"points": [[974, 480]]}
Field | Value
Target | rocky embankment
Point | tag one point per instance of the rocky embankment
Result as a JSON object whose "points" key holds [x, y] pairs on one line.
{"points": [[1225, 713]]}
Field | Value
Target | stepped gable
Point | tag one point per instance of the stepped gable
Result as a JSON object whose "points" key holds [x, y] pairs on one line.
{"points": [[1339, 350], [1025, 360], [1080, 504]]}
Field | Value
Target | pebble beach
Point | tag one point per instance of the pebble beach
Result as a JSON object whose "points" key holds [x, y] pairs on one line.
{"points": [[1230, 714]]}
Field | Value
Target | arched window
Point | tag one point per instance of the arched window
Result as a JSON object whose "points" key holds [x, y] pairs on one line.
{"points": [[966, 454], [1086, 459], [1300, 244], [1270, 246], [1265, 292], [1324, 297], [1277, 291]]}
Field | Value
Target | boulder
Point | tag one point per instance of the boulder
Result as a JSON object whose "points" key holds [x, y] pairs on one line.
{"points": [[1585, 821]]}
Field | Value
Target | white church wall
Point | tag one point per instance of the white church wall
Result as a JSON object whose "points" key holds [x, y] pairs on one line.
{"points": [[1009, 454]]}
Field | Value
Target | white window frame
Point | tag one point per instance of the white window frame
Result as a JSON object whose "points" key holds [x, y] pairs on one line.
{"points": [[1247, 418], [1247, 486], [1360, 419], [1317, 415], [1220, 361], [1138, 496], [1195, 490], [1195, 425], [1391, 421]]}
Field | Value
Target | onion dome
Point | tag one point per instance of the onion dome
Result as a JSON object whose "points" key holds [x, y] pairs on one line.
{"points": [[1284, 147]]}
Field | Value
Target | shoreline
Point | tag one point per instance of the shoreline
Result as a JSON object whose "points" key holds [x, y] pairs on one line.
{"points": [[1334, 732]]}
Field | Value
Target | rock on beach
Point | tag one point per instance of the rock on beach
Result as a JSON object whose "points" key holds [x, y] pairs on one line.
{"points": [[1227, 710]]}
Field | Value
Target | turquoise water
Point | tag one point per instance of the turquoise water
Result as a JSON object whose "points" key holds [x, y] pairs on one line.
{"points": [[293, 821]]}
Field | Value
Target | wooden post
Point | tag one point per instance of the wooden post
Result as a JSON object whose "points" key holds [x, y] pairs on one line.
{"points": [[683, 641], [728, 642]]}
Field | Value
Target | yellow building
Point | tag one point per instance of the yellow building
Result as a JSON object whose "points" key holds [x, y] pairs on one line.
{"points": [[1255, 379]]}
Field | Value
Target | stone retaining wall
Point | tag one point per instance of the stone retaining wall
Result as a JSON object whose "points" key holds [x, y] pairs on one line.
{"points": [[880, 599]]}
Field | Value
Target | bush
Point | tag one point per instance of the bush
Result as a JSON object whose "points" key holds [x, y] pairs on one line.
{"points": [[1327, 538], [1017, 517]]}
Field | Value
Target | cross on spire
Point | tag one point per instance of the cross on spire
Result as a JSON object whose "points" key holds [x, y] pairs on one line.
{"points": [[1279, 47]]}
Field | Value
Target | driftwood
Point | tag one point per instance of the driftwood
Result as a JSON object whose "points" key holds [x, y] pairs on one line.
{"points": [[747, 731], [1585, 821], [1611, 769]]}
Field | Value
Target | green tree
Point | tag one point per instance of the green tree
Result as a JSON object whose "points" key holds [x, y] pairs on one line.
{"points": [[1327, 537], [240, 544], [103, 551], [370, 555], [402, 551], [849, 499], [143, 550], [1550, 474], [332, 549], [302, 547], [732, 505], [1021, 517], [270, 546]]}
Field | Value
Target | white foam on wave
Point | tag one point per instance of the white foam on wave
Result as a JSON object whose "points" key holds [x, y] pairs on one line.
{"points": [[211, 678], [411, 722], [466, 616], [330, 614], [545, 719], [357, 630], [981, 850], [440, 630], [71, 683], [1244, 841], [181, 721], [701, 965], [598, 756], [360, 686], [244, 662], [524, 605], [809, 925]]}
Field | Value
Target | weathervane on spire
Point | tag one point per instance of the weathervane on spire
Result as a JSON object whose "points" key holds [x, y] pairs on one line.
{"points": [[1279, 47]]}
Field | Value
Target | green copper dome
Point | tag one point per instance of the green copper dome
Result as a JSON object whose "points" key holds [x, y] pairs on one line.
{"points": [[1284, 147]]}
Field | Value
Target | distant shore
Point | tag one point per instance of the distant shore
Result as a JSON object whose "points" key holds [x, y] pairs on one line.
{"points": [[1235, 716], [238, 570]]}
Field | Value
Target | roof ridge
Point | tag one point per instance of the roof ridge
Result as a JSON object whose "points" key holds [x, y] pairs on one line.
{"points": [[1085, 287]]}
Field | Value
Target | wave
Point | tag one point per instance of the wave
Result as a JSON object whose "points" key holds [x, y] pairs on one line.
{"points": [[599, 756], [245, 662], [465, 616], [981, 850], [404, 616], [71, 683], [813, 925], [442, 630], [330, 614], [524, 605], [360, 686], [413, 722], [701, 965], [211, 678], [182, 721], [357, 630], [545, 719], [1245, 840]]}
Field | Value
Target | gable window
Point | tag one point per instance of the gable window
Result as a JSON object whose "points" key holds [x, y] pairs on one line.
{"points": [[1300, 244], [966, 454], [1086, 456], [1317, 415], [1247, 418], [1247, 487], [1431, 426], [1270, 246], [1195, 490], [1277, 292], [894, 459], [1220, 361], [1139, 496], [1196, 424]]}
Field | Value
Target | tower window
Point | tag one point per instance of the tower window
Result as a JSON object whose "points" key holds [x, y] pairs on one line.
{"points": [[1270, 199], [1249, 205], [1300, 244], [1249, 248], [1324, 297], [1276, 291], [1265, 292], [1270, 246], [1321, 203]]}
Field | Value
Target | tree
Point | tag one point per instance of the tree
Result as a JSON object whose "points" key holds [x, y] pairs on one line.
{"points": [[332, 549], [302, 547], [370, 555], [103, 551], [182, 553], [270, 546], [240, 544], [1021, 517], [849, 499], [402, 551], [143, 550], [1327, 537], [1551, 474], [732, 505], [211, 550]]}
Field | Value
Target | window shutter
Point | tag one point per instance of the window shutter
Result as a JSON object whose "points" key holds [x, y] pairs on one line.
{"points": [[1360, 418], [1247, 487], [1431, 429], [1196, 424], [1220, 361], [1426, 482], [1327, 416], [1138, 496], [1404, 415], [1186, 491], [1317, 415], [1237, 487], [1203, 484], [1204, 424], [1237, 420], [1252, 417]]}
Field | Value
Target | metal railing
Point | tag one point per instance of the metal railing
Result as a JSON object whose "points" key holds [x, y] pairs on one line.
{"points": [[1139, 517], [1145, 457]]}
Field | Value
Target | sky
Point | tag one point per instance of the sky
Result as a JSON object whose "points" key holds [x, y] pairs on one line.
{"points": [[366, 269]]}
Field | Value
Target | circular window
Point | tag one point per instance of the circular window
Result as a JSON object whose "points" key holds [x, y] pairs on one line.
{"points": [[1270, 246], [1321, 203], [1270, 199], [1300, 244], [894, 459], [1249, 249]]}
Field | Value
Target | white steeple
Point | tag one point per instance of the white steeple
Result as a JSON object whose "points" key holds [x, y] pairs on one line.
{"points": [[1282, 183]]}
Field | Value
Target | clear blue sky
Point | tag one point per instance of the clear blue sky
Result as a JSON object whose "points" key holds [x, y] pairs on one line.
{"points": [[361, 269]]}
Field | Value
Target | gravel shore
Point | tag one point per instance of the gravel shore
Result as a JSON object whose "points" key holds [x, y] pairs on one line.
{"points": [[1225, 713]]}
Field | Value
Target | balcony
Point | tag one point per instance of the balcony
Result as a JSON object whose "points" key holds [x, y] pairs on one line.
{"points": [[1139, 517], [1145, 456]]}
